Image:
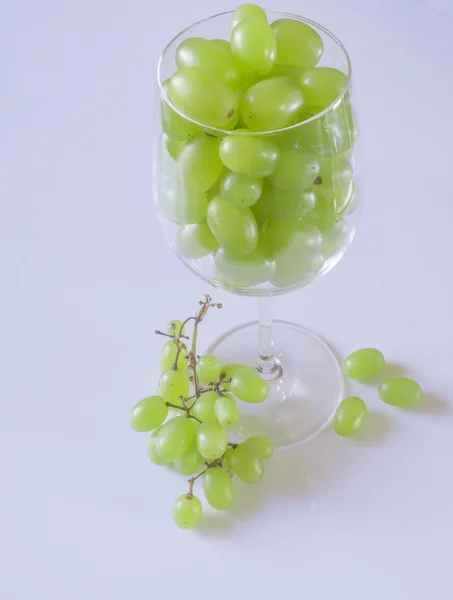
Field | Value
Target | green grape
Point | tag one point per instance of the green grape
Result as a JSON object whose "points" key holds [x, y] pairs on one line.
{"points": [[176, 127], [148, 414], [191, 206], [252, 269], [245, 461], [349, 416], [400, 391], [233, 227], [173, 384], [363, 364], [153, 455], [274, 236], [199, 163], [322, 86], [218, 488], [168, 354], [231, 368], [249, 155], [249, 387], [290, 270], [323, 216], [305, 241], [187, 511], [296, 169], [202, 53], [174, 147], [226, 460], [283, 205], [272, 104], [336, 175], [325, 135], [208, 368], [202, 97], [333, 240], [253, 46], [246, 11], [204, 407], [212, 440], [196, 241], [239, 189], [227, 412], [297, 43], [175, 328], [285, 71], [190, 462], [175, 438], [262, 445], [224, 44]]}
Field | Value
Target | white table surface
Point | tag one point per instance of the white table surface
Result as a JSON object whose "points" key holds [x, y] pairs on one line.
{"points": [[86, 278]]}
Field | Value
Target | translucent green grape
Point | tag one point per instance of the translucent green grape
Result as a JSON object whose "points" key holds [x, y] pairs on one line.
{"points": [[325, 135], [363, 364], [231, 368], [234, 228], [212, 440], [204, 407], [175, 328], [173, 384], [249, 387], [174, 147], [226, 459], [262, 445], [148, 414], [292, 270], [272, 104], [205, 54], [224, 44], [253, 46], [296, 169], [297, 43], [175, 438], [168, 354], [203, 97], [190, 462], [350, 416], [199, 164], [323, 216], [187, 511], [245, 461], [153, 455], [191, 206], [322, 86], [336, 176], [274, 236], [246, 11], [333, 240], [252, 269], [239, 189], [400, 391], [196, 241], [208, 368], [218, 488], [175, 126], [227, 412], [249, 155], [283, 205]]}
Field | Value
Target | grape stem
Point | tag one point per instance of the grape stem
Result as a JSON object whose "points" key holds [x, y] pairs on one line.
{"points": [[182, 337], [192, 481], [185, 409]]}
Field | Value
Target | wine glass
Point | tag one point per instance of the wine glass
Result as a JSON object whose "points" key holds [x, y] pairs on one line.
{"points": [[299, 228]]}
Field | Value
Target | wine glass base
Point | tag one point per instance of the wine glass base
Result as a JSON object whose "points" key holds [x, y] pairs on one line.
{"points": [[302, 400]]}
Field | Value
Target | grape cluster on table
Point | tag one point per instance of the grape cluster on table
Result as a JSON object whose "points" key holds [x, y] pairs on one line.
{"points": [[268, 207]]}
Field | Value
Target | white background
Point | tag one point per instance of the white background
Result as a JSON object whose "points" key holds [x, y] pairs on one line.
{"points": [[86, 278]]}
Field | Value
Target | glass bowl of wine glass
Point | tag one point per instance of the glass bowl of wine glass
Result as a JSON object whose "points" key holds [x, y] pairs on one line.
{"points": [[255, 186]]}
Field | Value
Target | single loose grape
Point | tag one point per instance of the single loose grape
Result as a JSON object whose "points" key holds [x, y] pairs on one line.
{"points": [[208, 368], [173, 384], [322, 86], [245, 461], [168, 354], [174, 328], [249, 154], [153, 455], [203, 97], [350, 416], [218, 488], [249, 387], [296, 169], [297, 43], [199, 164], [175, 438], [400, 391], [254, 46], [234, 228], [212, 440], [363, 364], [190, 462], [272, 104], [173, 124], [187, 511], [148, 414], [196, 241], [239, 189], [246, 11], [262, 445], [226, 411], [204, 407]]}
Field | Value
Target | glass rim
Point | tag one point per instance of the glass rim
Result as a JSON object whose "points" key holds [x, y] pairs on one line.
{"points": [[220, 131]]}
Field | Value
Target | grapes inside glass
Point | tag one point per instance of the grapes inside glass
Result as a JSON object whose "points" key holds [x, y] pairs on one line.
{"points": [[255, 186]]}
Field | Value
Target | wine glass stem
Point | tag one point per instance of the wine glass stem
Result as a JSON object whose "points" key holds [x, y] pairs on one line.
{"points": [[267, 365]]}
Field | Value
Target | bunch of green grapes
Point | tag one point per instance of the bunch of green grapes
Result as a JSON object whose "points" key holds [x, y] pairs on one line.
{"points": [[190, 419], [268, 201]]}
